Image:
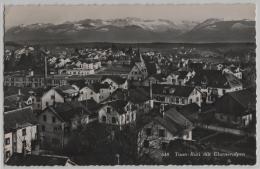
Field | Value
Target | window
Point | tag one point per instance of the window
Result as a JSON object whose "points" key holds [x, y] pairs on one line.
{"points": [[224, 91], [7, 154], [53, 97], [53, 119], [44, 118], [183, 101], [104, 119], [127, 117], [108, 110], [7, 141], [32, 99], [146, 143], [47, 104], [177, 100], [161, 133], [164, 146], [113, 120], [24, 143], [43, 128], [24, 132], [190, 101], [133, 116], [197, 99], [148, 131]]}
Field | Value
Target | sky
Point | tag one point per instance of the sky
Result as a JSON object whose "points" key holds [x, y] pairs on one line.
{"points": [[30, 14]]}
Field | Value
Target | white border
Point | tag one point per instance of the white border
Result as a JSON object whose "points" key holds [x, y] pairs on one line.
{"points": [[75, 2]]}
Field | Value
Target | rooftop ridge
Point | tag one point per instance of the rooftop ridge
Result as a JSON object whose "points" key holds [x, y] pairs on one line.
{"points": [[11, 111]]}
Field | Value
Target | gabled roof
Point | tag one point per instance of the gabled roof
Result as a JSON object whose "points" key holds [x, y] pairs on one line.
{"points": [[117, 79], [214, 78], [68, 110], [91, 105], [118, 105], [97, 86], [183, 74], [138, 95], [19, 118], [236, 103], [65, 89], [173, 121], [158, 77], [18, 159], [118, 94]]}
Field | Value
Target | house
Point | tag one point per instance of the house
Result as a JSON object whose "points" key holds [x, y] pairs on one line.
{"points": [[167, 125], [138, 72], [179, 77], [214, 84], [58, 120], [20, 132], [237, 108], [96, 91], [68, 92], [48, 98], [178, 95], [117, 113], [154, 79], [236, 71], [90, 79], [19, 159], [115, 82], [139, 97], [18, 100]]}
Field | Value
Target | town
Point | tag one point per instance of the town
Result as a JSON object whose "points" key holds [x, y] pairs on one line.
{"points": [[129, 104]]}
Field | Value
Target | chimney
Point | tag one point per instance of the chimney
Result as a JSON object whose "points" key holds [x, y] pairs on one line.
{"points": [[20, 104], [162, 110], [45, 66]]}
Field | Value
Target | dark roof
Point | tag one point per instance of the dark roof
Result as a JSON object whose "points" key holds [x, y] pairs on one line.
{"points": [[118, 94], [19, 118], [119, 80], [181, 121], [91, 105], [158, 77], [68, 110], [214, 78], [62, 89], [173, 121], [79, 83], [236, 103], [97, 86], [183, 74], [138, 95], [190, 111], [118, 105], [18, 159], [164, 89]]}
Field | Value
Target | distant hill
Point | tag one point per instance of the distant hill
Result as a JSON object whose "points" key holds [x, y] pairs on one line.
{"points": [[133, 30]]}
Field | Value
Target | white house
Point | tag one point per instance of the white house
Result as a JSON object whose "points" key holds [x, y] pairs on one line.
{"points": [[118, 112], [96, 91], [20, 132], [178, 95], [115, 82]]}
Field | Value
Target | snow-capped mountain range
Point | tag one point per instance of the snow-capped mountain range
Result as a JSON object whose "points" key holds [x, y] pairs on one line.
{"points": [[135, 30]]}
